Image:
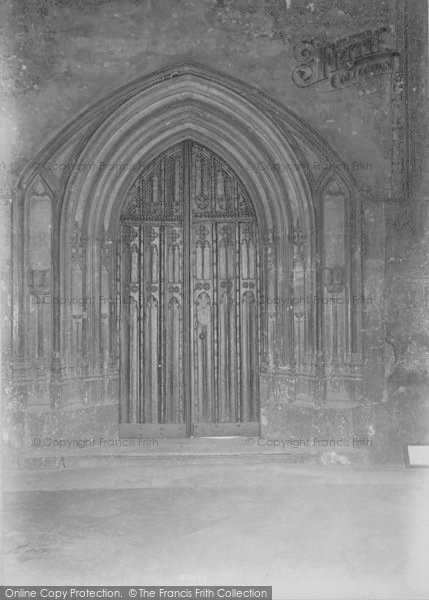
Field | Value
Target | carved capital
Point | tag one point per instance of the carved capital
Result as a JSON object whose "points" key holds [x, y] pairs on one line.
{"points": [[39, 281], [297, 238], [335, 279]]}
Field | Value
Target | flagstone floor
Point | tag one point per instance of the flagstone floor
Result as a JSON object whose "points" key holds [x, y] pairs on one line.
{"points": [[310, 531]]}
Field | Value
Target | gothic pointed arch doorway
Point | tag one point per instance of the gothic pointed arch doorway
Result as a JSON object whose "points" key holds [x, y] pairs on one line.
{"points": [[188, 284], [237, 363]]}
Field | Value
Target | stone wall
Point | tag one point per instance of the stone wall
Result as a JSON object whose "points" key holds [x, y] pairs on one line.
{"points": [[62, 56]]}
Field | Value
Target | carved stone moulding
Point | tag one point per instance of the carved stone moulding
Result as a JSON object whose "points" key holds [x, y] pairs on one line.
{"points": [[212, 110]]}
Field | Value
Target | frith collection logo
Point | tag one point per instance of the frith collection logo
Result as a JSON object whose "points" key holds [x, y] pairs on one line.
{"points": [[345, 62]]}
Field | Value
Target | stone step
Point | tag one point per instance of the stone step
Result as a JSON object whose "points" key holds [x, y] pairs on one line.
{"points": [[88, 461], [188, 455]]}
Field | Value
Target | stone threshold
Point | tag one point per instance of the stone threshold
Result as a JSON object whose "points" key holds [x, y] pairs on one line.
{"points": [[231, 450]]}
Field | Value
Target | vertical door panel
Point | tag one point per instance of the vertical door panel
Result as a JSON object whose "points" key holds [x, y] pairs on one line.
{"points": [[152, 275], [224, 278]]}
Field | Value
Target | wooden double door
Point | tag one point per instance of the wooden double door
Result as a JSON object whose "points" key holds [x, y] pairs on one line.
{"points": [[188, 272]]}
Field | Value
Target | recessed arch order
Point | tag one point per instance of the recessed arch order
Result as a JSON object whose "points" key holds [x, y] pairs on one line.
{"points": [[271, 151]]}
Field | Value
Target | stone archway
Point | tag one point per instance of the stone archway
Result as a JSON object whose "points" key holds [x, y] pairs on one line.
{"points": [[308, 221]]}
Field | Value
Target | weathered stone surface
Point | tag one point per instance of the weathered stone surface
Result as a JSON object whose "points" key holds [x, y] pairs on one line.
{"points": [[62, 57]]}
